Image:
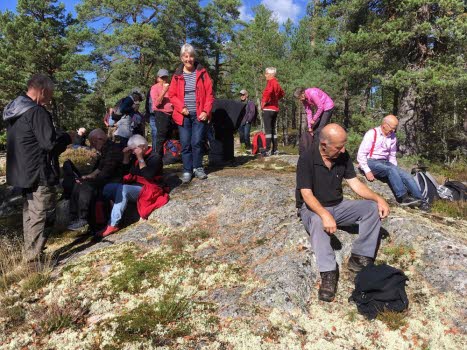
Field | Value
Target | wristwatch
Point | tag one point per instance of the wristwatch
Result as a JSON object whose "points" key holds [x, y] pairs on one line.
{"points": [[141, 160]]}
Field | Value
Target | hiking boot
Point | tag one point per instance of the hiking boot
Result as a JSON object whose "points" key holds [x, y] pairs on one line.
{"points": [[425, 206], [107, 231], [327, 289], [407, 200], [186, 177], [200, 174], [358, 262], [275, 153], [77, 225]]}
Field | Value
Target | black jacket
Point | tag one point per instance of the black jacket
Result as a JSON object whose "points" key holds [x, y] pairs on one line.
{"points": [[33, 144]]}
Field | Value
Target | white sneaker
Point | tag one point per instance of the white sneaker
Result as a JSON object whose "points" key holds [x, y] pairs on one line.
{"points": [[77, 225], [200, 174], [186, 177]]}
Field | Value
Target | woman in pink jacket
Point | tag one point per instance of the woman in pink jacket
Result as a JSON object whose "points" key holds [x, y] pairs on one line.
{"points": [[318, 99]]}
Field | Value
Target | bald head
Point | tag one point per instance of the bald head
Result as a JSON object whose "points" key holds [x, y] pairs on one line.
{"points": [[97, 138], [389, 124], [333, 133]]}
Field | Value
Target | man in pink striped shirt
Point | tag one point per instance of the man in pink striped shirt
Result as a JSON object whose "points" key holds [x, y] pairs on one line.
{"points": [[377, 159], [315, 98]]}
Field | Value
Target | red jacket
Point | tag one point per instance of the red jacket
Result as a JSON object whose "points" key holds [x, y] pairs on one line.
{"points": [[151, 197], [271, 95], [204, 94]]}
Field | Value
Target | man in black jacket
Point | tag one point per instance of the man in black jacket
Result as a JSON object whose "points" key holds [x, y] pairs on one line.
{"points": [[33, 147]]}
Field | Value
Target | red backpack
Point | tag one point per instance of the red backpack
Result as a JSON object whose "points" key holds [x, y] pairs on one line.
{"points": [[259, 142], [172, 152]]}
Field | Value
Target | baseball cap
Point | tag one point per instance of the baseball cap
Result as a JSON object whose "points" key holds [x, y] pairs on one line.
{"points": [[243, 92], [163, 73]]}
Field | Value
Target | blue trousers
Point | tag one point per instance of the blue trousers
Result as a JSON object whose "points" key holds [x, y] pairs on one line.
{"points": [[244, 131], [152, 124], [400, 181], [120, 194], [192, 136]]}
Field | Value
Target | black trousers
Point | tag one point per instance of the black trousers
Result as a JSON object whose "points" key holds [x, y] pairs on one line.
{"points": [[270, 120], [82, 199], [164, 127], [323, 121]]}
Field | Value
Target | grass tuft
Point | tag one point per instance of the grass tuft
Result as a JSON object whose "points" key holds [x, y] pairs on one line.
{"points": [[34, 282], [399, 254], [393, 320], [56, 318], [16, 315], [456, 209], [161, 322]]}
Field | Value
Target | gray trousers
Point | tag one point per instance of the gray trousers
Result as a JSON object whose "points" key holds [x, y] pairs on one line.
{"points": [[35, 207], [348, 212]]}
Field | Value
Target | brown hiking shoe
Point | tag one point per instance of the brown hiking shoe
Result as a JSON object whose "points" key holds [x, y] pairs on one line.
{"points": [[358, 262], [328, 288]]}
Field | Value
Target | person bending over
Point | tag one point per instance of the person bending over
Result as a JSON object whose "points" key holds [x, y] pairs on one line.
{"points": [[320, 171]]}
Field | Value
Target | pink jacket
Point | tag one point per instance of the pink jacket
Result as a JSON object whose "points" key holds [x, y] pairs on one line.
{"points": [[319, 99], [385, 148]]}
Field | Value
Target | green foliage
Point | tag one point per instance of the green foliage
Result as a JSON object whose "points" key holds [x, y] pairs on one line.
{"points": [[56, 317], [394, 320], [34, 282], [456, 209]]}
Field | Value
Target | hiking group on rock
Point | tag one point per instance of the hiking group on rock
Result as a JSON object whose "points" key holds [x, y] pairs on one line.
{"points": [[129, 170]]}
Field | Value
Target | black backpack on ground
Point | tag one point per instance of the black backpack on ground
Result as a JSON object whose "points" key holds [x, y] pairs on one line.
{"points": [[458, 190], [379, 288], [427, 183]]}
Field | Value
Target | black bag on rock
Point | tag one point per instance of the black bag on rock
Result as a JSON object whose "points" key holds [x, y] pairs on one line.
{"points": [[379, 288]]}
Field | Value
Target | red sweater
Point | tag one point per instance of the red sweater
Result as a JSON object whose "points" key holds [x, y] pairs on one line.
{"points": [[204, 93], [271, 95]]}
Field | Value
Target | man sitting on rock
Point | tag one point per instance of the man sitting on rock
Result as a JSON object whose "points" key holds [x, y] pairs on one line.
{"points": [[108, 169], [320, 171], [377, 159]]}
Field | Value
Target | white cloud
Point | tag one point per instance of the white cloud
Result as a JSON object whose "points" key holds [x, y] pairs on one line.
{"points": [[283, 9], [245, 13]]}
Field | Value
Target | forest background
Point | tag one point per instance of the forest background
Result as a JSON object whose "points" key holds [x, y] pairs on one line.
{"points": [[373, 58]]}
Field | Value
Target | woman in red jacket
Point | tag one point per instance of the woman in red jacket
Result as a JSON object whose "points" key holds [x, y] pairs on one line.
{"points": [[191, 95], [270, 106]]}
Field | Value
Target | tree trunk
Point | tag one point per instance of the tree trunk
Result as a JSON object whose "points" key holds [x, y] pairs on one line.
{"points": [[346, 105], [408, 120]]}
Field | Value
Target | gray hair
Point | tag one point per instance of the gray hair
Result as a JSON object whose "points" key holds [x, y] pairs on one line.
{"points": [[137, 140], [271, 70], [298, 92], [40, 81], [97, 133], [187, 48]]}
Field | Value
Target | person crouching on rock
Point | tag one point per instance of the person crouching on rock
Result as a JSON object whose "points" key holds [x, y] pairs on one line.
{"points": [[191, 95], [141, 168], [320, 171]]}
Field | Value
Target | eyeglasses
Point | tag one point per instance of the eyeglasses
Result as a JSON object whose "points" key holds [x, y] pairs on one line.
{"points": [[392, 128]]}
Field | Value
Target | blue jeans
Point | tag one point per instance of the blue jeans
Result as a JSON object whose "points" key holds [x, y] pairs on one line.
{"points": [[120, 194], [192, 137], [400, 181], [244, 131], [152, 124]]}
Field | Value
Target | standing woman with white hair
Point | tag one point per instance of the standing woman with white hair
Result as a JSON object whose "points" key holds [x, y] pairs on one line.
{"points": [[191, 95], [140, 167], [270, 106]]}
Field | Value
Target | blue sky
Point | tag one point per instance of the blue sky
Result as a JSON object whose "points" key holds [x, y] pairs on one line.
{"points": [[283, 9]]}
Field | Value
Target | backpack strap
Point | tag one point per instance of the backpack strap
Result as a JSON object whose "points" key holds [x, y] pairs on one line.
{"points": [[373, 144]]}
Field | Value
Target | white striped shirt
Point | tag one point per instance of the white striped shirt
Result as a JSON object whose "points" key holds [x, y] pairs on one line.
{"points": [[190, 91]]}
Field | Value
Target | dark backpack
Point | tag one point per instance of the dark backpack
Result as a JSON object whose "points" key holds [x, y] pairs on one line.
{"points": [[379, 288], [172, 152], [426, 183], [117, 113], [258, 143], [458, 189]]}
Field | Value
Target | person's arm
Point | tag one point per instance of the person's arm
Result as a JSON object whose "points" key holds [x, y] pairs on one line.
{"points": [[250, 112], [266, 94], [207, 85], [393, 151], [165, 88], [365, 192], [280, 92], [175, 100], [44, 131], [363, 152], [314, 95]]}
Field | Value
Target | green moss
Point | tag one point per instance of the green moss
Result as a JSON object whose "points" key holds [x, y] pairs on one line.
{"points": [[144, 321], [394, 320], [397, 253]]}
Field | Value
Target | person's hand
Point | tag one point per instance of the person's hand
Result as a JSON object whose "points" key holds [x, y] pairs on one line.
{"points": [[310, 130], [127, 150], [369, 176], [166, 86], [203, 116], [383, 207], [329, 224], [138, 152], [185, 111]]}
